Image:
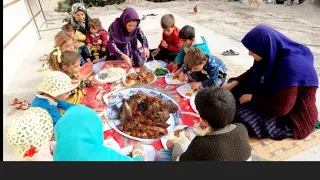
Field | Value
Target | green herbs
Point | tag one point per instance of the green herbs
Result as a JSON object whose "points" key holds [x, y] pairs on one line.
{"points": [[161, 72]]}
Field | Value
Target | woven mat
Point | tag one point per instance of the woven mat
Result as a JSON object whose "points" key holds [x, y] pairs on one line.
{"points": [[271, 150]]}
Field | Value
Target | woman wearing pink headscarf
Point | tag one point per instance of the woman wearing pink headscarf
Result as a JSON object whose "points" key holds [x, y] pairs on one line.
{"points": [[127, 41]]}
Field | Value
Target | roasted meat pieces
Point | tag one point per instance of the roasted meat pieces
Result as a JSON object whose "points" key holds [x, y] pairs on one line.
{"points": [[145, 116], [142, 77]]}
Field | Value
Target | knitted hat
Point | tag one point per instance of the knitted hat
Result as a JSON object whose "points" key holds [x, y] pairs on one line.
{"points": [[78, 7], [30, 132], [57, 83]]}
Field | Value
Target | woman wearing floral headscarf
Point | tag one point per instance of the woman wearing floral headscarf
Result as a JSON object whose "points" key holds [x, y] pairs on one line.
{"points": [[125, 37], [277, 95], [80, 18]]}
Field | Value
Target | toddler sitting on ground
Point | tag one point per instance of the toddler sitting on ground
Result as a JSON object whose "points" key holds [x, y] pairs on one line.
{"points": [[96, 39]]}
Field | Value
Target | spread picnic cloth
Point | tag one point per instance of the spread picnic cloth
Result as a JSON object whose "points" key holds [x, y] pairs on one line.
{"points": [[188, 116]]}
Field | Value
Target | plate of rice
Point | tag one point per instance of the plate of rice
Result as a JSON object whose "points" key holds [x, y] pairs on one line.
{"points": [[181, 134], [110, 74], [153, 65]]}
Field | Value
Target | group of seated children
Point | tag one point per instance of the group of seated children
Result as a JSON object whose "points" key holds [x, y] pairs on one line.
{"points": [[83, 42]]}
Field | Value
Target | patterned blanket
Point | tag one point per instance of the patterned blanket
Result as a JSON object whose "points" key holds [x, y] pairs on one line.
{"points": [[188, 116]]}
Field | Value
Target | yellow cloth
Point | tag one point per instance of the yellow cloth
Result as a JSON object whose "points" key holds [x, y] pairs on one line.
{"points": [[75, 99], [79, 37]]}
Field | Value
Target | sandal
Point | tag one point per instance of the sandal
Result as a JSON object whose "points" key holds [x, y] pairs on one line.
{"points": [[15, 101], [230, 53], [44, 57], [21, 105]]}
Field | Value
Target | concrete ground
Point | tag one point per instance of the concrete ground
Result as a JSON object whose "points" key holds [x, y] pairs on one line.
{"points": [[23, 85]]}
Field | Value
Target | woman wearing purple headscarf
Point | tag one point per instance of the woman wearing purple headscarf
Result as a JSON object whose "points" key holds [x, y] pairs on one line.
{"points": [[127, 40], [277, 95]]}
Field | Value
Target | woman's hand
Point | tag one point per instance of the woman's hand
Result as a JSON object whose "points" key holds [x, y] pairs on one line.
{"points": [[146, 52], [127, 60], [230, 86], [245, 98]]}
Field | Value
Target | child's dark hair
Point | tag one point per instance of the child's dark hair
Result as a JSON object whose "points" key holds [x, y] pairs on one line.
{"points": [[216, 105], [67, 27], [167, 21], [67, 58], [94, 23], [194, 57], [187, 32]]}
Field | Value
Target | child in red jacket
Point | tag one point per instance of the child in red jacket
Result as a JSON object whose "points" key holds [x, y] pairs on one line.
{"points": [[96, 39], [170, 44]]}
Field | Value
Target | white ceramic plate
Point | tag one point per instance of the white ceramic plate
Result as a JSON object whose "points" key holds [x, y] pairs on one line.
{"points": [[124, 79], [116, 99], [97, 67], [150, 153], [192, 136], [163, 75], [110, 79], [169, 80], [183, 89], [192, 104], [153, 65], [111, 143]]}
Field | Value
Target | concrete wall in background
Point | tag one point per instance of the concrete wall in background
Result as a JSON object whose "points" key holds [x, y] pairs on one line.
{"points": [[19, 34]]}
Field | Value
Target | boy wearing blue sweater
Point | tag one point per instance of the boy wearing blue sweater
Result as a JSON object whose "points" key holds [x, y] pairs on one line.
{"points": [[205, 70], [189, 39]]}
